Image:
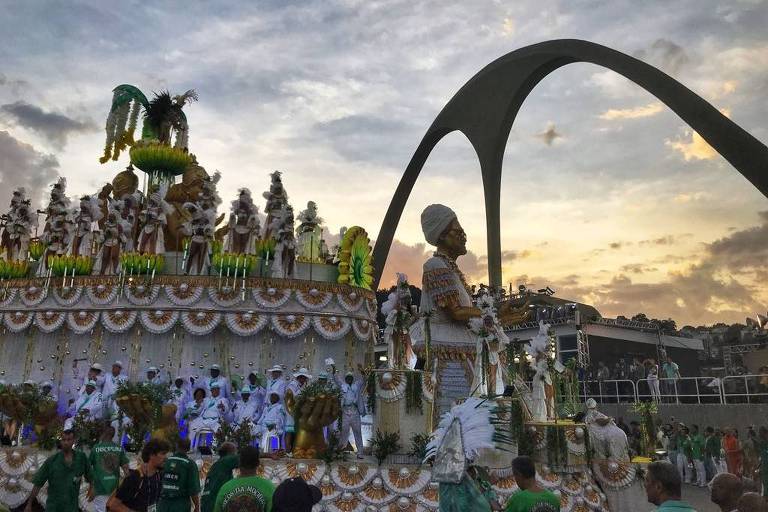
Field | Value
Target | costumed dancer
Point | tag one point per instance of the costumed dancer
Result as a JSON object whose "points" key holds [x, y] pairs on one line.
{"points": [[114, 380], [285, 250], [257, 391], [152, 376], [457, 441], [58, 226], [277, 198], [309, 234], [88, 404], [271, 425], [19, 222], [113, 240], [244, 225], [179, 396], [275, 384], [86, 222], [300, 379], [397, 311], [353, 405], [216, 378], [542, 392], [95, 374], [491, 340], [246, 409], [611, 462]]}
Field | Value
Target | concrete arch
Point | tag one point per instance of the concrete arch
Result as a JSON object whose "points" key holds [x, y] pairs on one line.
{"points": [[486, 106]]}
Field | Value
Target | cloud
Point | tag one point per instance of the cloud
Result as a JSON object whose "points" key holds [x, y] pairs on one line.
{"points": [[549, 135], [409, 259], [692, 146], [508, 27], [665, 240], [515, 255], [23, 166], [648, 110], [53, 126], [665, 54], [637, 268]]}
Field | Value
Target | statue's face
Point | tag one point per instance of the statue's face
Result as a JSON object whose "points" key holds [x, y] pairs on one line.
{"points": [[454, 239]]}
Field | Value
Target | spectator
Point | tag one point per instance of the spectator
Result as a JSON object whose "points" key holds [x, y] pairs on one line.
{"points": [[635, 438], [752, 502], [733, 455], [711, 452], [140, 491], [726, 491], [106, 459], [673, 443], [662, 488], [532, 496], [219, 474], [750, 454], [295, 495], [653, 379], [697, 455], [684, 455], [181, 481], [248, 492], [671, 372], [63, 471]]}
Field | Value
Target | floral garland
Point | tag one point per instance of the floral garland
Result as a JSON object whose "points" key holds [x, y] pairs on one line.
{"points": [[245, 323], [331, 327], [102, 294], [49, 321], [291, 325], [67, 296], [183, 294], [120, 321], [158, 322], [80, 322], [200, 323]]}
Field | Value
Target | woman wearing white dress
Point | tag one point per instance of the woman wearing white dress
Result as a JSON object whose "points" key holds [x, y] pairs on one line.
{"points": [[653, 379]]}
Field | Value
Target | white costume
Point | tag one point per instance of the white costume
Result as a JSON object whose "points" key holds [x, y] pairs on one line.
{"points": [[246, 410], [111, 383], [272, 419], [295, 388], [114, 418], [220, 381], [152, 380], [537, 349], [86, 402], [258, 393], [352, 408], [180, 398], [206, 416], [275, 386]]}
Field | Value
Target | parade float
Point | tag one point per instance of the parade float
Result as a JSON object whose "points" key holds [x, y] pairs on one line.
{"points": [[153, 270]]}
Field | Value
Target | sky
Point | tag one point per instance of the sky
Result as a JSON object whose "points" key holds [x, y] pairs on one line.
{"points": [[607, 196]]}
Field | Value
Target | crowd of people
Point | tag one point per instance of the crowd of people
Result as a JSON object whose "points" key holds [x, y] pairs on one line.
{"points": [[165, 480], [202, 405]]}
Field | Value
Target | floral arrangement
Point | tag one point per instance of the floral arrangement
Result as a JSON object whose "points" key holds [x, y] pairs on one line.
{"points": [[233, 264], [87, 432], [385, 444], [134, 263], [241, 434], [647, 412], [13, 269], [143, 403], [67, 265], [355, 261], [36, 249], [419, 442]]}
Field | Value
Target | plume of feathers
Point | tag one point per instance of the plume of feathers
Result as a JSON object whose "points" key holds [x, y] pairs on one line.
{"points": [[477, 430]]}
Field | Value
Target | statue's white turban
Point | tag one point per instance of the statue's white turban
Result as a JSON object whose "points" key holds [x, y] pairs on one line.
{"points": [[434, 220], [591, 404]]}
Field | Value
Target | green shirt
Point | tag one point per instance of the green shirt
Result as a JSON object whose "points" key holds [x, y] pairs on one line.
{"points": [[527, 501], [218, 475], [675, 506], [63, 480], [106, 460], [240, 492], [181, 481], [712, 447], [697, 447]]}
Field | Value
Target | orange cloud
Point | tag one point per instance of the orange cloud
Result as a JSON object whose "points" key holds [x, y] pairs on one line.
{"points": [[648, 110], [693, 147]]}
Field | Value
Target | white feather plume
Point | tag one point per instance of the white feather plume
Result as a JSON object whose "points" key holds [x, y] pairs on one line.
{"points": [[474, 415]]}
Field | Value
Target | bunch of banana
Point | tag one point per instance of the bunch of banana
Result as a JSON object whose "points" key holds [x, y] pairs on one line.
{"points": [[83, 265], [36, 249], [266, 248], [228, 263], [135, 263]]}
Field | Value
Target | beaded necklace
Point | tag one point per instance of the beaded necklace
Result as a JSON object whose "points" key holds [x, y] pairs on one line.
{"points": [[451, 264]]}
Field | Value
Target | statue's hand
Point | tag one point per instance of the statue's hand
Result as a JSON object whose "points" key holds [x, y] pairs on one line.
{"points": [[290, 401]]}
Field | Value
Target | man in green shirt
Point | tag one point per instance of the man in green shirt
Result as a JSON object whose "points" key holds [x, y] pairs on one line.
{"points": [[532, 497], [711, 452], [181, 481], [63, 471], [219, 474], [249, 492], [106, 459], [662, 487], [697, 454]]}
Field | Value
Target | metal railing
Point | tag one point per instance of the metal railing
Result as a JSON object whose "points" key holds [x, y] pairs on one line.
{"points": [[609, 391], [745, 389], [699, 390]]}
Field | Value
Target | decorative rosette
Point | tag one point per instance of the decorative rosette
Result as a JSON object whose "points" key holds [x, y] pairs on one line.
{"points": [[429, 496], [375, 492], [614, 474], [326, 486], [33, 295], [352, 476], [49, 321], [391, 386], [7, 295], [506, 485], [310, 471], [225, 297], [314, 299], [183, 294], [80, 322], [290, 325], [17, 321], [158, 322], [200, 323], [68, 295], [346, 502], [404, 504], [566, 501], [271, 297], [102, 294], [427, 386], [355, 261], [14, 492], [141, 294], [245, 323], [362, 328], [579, 505], [405, 480], [370, 306], [16, 462], [548, 478], [571, 486], [331, 327], [575, 439], [118, 321], [351, 301]]}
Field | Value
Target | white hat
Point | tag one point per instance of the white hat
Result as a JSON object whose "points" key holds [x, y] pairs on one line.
{"points": [[47, 383], [91, 383], [215, 385], [349, 374], [276, 368], [322, 375], [118, 363], [434, 219], [245, 391], [97, 366], [215, 367], [153, 369], [303, 372], [30, 382], [591, 404]]}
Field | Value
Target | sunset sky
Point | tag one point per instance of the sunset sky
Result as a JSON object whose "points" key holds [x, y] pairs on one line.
{"points": [[608, 197]]}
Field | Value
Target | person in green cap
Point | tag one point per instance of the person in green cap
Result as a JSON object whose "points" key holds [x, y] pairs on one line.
{"points": [[248, 492], [663, 488], [181, 481], [219, 474], [106, 459], [63, 471]]}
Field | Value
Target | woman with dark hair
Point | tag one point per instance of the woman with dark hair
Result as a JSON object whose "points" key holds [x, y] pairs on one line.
{"points": [[140, 491]]}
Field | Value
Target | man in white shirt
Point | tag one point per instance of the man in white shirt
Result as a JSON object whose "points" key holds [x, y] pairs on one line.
{"points": [[88, 403], [256, 390], [246, 409], [112, 382], [218, 379], [153, 376], [352, 408], [95, 374], [222, 404], [275, 384]]}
